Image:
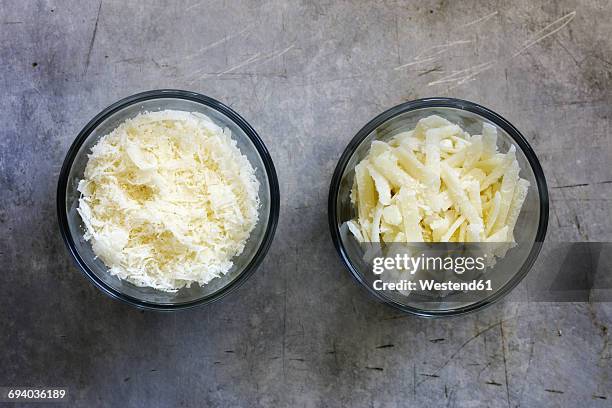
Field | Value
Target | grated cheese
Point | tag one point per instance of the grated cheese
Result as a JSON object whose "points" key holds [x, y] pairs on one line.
{"points": [[168, 200], [437, 183]]}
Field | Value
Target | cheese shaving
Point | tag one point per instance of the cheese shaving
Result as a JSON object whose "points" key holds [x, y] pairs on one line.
{"points": [[168, 200], [437, 183]]}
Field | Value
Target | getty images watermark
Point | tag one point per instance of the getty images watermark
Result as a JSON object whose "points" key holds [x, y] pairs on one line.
{"points": [[415, 266], [469, 272]]}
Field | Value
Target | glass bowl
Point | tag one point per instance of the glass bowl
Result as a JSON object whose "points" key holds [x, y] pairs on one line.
{"points": [[529, 231], [72, 227]]}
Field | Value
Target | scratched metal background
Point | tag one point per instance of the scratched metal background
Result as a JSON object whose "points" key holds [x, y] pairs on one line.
{"points": [[307, 75]]}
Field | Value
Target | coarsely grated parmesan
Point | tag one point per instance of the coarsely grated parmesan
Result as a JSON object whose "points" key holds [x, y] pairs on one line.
{"points": [[437, 183], [168, 199]]}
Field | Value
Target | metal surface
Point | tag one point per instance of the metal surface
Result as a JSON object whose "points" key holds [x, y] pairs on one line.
{"points": [[307, 76]]}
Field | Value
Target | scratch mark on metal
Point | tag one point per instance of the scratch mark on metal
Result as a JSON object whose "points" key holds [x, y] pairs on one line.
{"points": [[503, 340], [375, 368], [276, 54], [546, 32], [583, 184], [397, 43], [464, 75], [256, 59], [414, 383], [422, 61], [431, 53], [93, 37], [429, 71], [430, 375], [251, 59], [283, 361], [465, 343], [194, 6], [216, 43], [385, 346], [481, 19]]}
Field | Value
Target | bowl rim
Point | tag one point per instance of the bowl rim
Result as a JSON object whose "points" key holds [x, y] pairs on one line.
{"points": [[264, 246], [441, 102]]}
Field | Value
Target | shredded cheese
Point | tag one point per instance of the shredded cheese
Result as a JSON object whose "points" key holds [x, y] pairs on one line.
{"points": [[437, 183], [168, 200]]}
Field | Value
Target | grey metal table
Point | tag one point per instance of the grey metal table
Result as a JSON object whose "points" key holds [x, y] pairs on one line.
{"points": [[307, 75]]}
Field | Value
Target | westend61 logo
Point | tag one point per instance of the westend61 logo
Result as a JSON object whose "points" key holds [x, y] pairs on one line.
{"points": [[424, 265]]}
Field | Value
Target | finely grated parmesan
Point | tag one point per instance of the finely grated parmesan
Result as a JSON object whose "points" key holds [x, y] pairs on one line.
{"points": [[168, 200]]}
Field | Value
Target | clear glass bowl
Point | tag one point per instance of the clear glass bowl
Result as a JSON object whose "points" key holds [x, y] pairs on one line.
{"points": [[529, 232], [72, 228]]}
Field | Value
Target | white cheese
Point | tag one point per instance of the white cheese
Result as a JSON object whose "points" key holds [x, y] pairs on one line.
{"points": [[392, 215], [451, 230], [438, 183], [382, 186], [386, 164], [410, 215], [168, 200]]}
